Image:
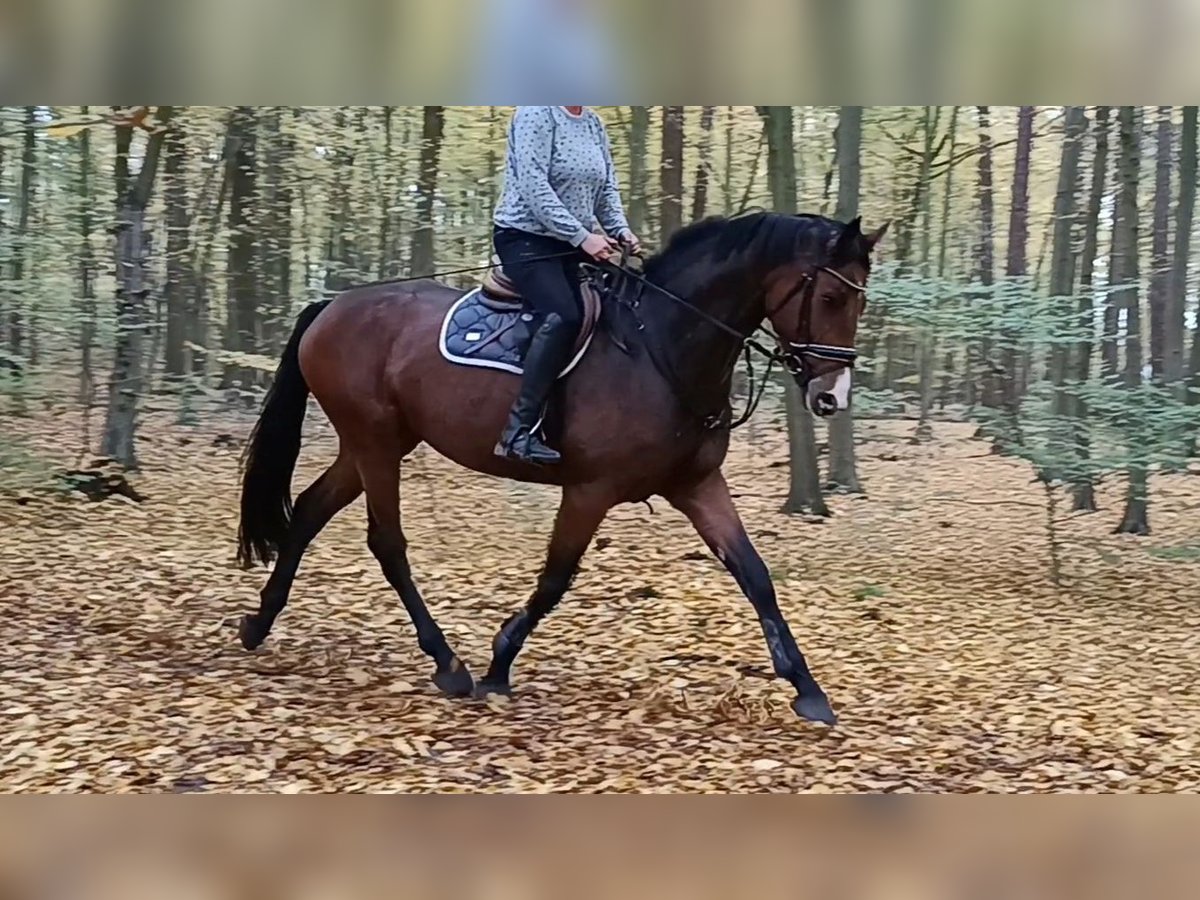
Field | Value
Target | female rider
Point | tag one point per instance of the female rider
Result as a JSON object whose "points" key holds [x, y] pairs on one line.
{"points": [[558, 185]]}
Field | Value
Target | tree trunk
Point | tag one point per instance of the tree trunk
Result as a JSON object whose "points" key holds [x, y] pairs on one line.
{"points": [[177, 288], [727, 181], [670, 217], [133, 284], [989, 389], [1184, 213], [804, 492], [986, 201], [341, 251], [639, 138], [1016, 265], [1187, 201], [493, 163], [929, 338], [200, 264], [387, 194], [1062, 277], [243, 267], [1083, 492], [421, 256], [1018, 222], [5, 365], [1160, 267], [704, 166], [276, 234], [87, 272], [20, 253], [1109, 354], [843, 466], [945, 390], [804, 487], [1184, 210], [1126, 273]]}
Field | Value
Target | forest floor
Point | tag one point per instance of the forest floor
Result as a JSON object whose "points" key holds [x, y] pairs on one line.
{"points": [[926, 610]]}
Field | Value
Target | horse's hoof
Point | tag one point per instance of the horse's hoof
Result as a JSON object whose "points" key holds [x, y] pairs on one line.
{"points": [[455, 681], [250, 632], [486, 688], [814, 708]]}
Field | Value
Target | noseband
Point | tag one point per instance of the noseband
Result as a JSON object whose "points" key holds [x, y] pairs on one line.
{"points": [[799, 354]]}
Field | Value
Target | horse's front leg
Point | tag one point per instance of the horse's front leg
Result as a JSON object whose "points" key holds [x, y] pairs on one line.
{"points": [[711, 510], [582, 510]]}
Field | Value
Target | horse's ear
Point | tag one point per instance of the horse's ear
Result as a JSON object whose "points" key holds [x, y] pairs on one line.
{"points": [[845, 246], [877, 235]]}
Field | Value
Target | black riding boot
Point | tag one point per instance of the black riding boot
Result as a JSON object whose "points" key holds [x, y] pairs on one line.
{"points": [[549, 352]]}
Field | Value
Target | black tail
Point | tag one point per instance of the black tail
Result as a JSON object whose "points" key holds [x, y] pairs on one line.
{"points": [[270, 456]]}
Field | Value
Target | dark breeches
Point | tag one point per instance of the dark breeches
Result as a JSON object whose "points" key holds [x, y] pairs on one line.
{"points": [[548, 285]]}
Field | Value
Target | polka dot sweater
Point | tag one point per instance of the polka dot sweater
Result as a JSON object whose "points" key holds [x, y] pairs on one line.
{"points": [[558, 179]]}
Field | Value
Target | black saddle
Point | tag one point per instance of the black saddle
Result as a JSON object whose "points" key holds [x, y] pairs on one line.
{"points": [[489, 327]]}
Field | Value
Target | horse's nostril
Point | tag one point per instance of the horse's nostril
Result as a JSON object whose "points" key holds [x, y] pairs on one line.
{"points": [[825, 404]]}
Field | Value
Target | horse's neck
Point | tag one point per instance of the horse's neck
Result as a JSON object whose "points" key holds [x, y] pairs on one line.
{"points": [[701, 355]]}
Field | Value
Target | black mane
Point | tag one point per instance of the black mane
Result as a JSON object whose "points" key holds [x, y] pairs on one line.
{"points": [[718, 242]]}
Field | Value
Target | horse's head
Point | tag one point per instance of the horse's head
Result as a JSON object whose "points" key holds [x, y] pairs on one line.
{"points": [[815, 308]]}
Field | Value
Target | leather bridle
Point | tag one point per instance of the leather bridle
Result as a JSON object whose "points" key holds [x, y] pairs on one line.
{"points": [[794, 356], [797, 355]]}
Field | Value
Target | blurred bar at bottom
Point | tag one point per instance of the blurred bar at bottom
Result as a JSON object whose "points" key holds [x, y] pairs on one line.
{"points": [[105, 848]]}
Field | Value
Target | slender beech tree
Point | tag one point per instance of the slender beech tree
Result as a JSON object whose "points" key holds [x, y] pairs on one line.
{"points": [[1184, 210], [988, 389], [704, 165], [639, 137], [1126, 277], [843, 466], [1160, 261], [804, 493], [87, 271], [242, 325], [133, 285], [176, 289], [1083, 491], [1062, 268], [421, 254], [670, 216]]}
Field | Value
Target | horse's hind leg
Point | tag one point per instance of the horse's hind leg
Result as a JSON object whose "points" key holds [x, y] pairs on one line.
{"points": [[381, 478], [337, 487], [579, 515]]}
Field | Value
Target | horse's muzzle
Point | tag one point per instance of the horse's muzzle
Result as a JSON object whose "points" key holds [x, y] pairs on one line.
{"points": [[829, 392]]}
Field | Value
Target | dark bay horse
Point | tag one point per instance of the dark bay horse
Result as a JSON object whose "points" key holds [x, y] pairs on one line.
{"points": [[637, 418]]}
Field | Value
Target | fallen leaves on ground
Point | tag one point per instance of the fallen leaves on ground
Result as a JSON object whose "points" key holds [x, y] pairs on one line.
{"points": [[926, 611]]}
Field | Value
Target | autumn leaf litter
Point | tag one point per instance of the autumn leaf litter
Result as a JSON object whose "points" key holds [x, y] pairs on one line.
{"points": [[926, 611]]}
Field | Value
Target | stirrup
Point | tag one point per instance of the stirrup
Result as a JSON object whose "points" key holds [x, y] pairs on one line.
{"points": [[525, 446]]}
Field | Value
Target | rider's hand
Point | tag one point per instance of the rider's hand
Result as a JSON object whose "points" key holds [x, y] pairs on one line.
{"points": [[631, 240], [598, 247]]}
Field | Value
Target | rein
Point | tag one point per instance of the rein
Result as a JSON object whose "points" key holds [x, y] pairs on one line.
{"points": [[793, 359], [435, 275]]}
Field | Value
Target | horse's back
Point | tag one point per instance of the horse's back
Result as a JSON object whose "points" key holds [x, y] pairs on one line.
{"points": [[365, 333]]}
